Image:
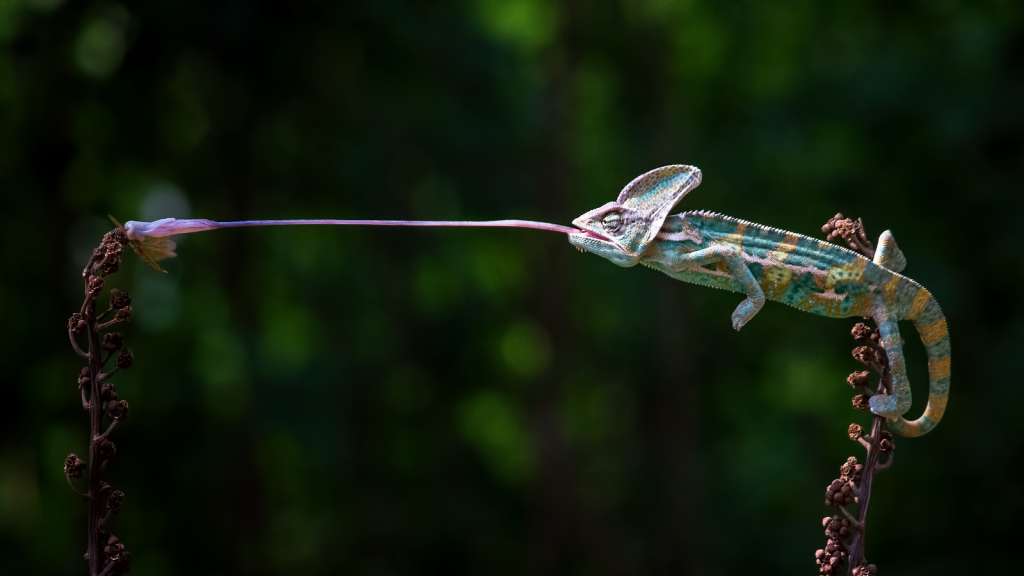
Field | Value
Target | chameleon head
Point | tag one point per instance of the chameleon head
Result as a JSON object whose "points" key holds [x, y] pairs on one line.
{"points": [[622, 230]]}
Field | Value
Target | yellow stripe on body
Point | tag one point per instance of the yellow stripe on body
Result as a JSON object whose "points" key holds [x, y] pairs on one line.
{"points": [[938, 368], [786, 247], [920, 301], [933, 332], [936, 407]]}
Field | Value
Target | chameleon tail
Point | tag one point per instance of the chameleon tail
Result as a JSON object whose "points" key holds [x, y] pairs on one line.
{"points": [[931, 326]]}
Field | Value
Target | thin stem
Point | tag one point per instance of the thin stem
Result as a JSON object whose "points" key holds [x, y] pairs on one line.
{"points": [[73, 487], [888, 462], [107, 324], [104, 315], [856, 524], [85, 403], [74, 344], [96, 463], [106, 376], [106, 570], [870, 468], [103, 436]]}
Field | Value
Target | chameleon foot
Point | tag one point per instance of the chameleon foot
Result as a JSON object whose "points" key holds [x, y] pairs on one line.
{"points": [[884, 405], [745, 311]]}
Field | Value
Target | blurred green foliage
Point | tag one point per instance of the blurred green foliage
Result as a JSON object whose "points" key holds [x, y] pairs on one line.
{"points": [[384, 401]]}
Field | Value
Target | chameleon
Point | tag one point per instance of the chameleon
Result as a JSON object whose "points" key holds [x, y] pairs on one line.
{"points": [[764, 263], [719, 251]]}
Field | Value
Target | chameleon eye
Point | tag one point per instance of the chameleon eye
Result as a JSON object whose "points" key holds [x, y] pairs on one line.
{"points": [[611, 221]]}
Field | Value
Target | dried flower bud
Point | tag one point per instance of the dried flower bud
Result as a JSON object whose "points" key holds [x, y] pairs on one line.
{"points": [[73, 466], [858, 379], [76, 324], [119, 299], [83, 378], [124, 359], [855, 432], [115, 501], [107, 449], [865, 355], [116, 236], [834, 555], [122, 563], [865, 570], [861, 332], [94, 286], [860, 402], [113, 341], [851, 471], [108, 392], [848, 467], [120, 410], [886, 444], [112, 246], [113, 548], [124, 314]]}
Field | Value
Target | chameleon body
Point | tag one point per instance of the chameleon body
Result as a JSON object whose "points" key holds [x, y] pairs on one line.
{"points": [[766, 263]]}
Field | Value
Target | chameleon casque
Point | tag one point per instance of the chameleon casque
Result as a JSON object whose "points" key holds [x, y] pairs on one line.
{"points": [[770, 264]]}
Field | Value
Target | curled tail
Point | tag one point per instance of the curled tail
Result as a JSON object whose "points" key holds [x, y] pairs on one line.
{"points": [[924, 312]]}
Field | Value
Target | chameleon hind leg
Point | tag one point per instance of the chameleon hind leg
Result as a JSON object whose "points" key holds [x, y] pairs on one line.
{"points": [[738, 272], [892, 406]]}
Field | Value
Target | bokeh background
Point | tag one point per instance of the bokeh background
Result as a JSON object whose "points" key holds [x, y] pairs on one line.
{"points": [[389, 401]]}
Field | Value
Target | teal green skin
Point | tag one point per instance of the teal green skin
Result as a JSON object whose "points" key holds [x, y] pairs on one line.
{"points": [[766, 263]]}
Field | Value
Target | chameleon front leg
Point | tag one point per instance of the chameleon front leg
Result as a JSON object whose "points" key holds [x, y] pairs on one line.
{"points": [[739, 273], [894, 406]]}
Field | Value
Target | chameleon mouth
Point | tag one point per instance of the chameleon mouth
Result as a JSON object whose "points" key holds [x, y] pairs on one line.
{"points": [[591, 235], [582, 237]]}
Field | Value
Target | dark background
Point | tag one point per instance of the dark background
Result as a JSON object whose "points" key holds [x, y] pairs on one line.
{"points": [[413, 401]]}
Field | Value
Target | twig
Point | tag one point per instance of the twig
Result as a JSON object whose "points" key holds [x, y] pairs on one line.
{"points": [[856, 480], [107, 324], [103, 436], [856, 523], [96, 395], [887, 463], [74, 344]]}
